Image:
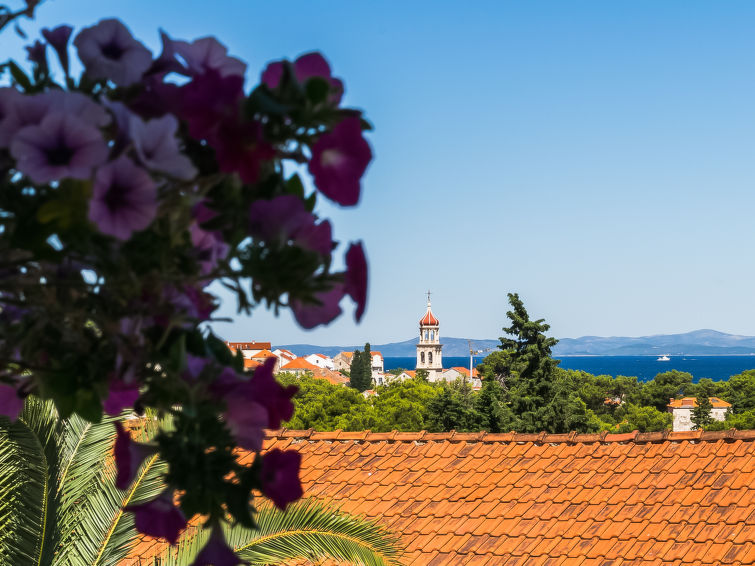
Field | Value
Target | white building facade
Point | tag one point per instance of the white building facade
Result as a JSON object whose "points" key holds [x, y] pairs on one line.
{"points": [[681, 409]]}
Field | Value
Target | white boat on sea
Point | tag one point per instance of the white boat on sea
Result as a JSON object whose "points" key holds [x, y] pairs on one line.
{"points": [[664, 359]]}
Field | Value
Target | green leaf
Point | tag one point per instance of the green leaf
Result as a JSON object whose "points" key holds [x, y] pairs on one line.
{"points": [[19, 76], [294, 186]]}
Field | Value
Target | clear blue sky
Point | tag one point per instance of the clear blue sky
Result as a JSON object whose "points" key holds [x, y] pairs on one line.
{"points": [[596, 157]]}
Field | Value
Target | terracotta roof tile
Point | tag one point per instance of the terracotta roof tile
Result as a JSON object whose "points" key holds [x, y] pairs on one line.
{"points": [[470, 498]]}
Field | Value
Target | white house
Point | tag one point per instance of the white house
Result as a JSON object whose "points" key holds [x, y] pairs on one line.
{"points": [[681, 409], [284, 355], [321, 361], [377, 365], [248, 349]]}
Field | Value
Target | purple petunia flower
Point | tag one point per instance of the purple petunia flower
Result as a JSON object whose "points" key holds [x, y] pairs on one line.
{"points": [[109, 51], [246, 420], [8, 98], [124, 199], [339, 159], [159, 517], [211, 249], [208, 54], [37, 53], [285, 218], [129, 456], [217, 552], [309, 315], [79, 105], [305, 67], [156, 145], [11, 404], [194, 366], [61, 146], [276, 398], [356, 278], [120, 396], [279, 477], [58, 39], [208, 100]]}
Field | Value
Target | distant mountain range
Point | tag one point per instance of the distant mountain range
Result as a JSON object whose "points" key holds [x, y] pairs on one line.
{"points": [[697, 342]]}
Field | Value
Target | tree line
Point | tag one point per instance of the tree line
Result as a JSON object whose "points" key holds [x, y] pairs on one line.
{"points": [[523, 390]]}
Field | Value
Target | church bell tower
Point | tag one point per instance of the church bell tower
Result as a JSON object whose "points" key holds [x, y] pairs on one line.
{"points": [[429, 355]]}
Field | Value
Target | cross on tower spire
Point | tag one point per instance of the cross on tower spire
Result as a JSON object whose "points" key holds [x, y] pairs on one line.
{"points": [[428, 297]]}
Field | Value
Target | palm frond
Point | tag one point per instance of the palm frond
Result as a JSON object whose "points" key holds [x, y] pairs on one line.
{"points": [[28, 464]]}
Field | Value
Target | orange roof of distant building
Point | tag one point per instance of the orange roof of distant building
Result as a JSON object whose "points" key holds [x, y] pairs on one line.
{"points": [[249, 345], [376, 353], [249, 363], [465, 371], [662, 498], [264, 354], [691, 402], [323, 356], [346, 354], [411, 372], [334, 377], [299, 363]]}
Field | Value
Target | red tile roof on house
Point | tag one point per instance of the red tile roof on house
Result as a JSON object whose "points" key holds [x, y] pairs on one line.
{"points": [[691, 402], [299, 363], [251, 364], [376, 353], [465, 371], [334, 377], [498, 499], [263, 354]]}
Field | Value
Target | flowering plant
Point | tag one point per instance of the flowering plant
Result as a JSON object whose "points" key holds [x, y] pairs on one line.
{"points": [[126, 191]]}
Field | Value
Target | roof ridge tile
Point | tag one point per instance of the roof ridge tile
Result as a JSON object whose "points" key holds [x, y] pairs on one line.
{"points": [[485, 437]]}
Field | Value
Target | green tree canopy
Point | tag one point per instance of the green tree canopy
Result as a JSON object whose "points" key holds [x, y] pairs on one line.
{"points": [[701, 414]]}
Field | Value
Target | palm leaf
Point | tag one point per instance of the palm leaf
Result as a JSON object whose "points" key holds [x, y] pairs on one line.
{"points": [[28, 462], [308, 529]]}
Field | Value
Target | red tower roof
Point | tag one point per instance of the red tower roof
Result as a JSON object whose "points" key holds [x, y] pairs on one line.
{"points": [[429, 319]]}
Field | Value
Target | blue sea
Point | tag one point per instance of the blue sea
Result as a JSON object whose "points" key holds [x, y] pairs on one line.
{"points": [[644, 367]]}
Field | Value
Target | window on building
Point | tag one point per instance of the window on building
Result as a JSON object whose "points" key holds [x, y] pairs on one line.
{"points": [[430, 357], [422, 357]]}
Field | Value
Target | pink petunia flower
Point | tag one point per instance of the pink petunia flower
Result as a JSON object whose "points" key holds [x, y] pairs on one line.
{"points": [[279, 477], [309, 315], [285, 218], [61, 146], [109, 51], [156, 145], [217, 552], [129, 456], [339, 159], [240, 148], [305, 67], [124, 199], [159, 517], [58, 39], [265, 389], [11, 404], [356, 278]]}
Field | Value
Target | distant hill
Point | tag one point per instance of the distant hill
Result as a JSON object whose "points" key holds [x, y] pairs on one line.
{"points": [[698, 343]]}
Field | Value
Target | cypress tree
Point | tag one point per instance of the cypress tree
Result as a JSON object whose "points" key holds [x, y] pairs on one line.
{"points": [[356, 370], [367, 361], [701, 414]]}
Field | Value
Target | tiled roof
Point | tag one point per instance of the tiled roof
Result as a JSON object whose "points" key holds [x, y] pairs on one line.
{"points": [[264, 354], [691, 402], [376, 353], [249, 345], [411, 372], [499, 499], [299, 363], [251, 364], [334, 377], [346, 354], [465, 371]]}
